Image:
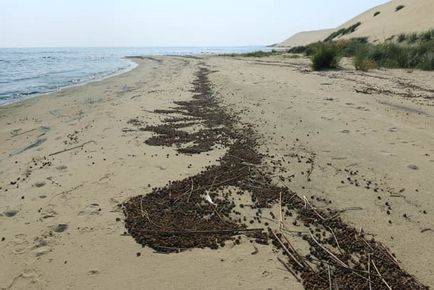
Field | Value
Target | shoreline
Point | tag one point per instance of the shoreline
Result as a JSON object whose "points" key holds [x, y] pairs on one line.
{"points": [[299, 116], [131, 67]]}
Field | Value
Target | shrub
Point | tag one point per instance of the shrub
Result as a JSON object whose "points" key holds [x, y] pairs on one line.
{"points": [[402, 37], [260, 53], [399, 7], [325, 57], [362, 61], [412, 38], [297, 49], [427, 36], [377, 13]]}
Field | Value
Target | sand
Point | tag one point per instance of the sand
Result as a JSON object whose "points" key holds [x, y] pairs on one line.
{"points": [[61, 223], [306, 37], [416, 16]]}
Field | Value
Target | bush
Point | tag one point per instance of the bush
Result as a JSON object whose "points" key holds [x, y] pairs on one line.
{"points": [[399, 7], [427, 36], [297, 49], [260, 53], [377, 13], [325, 57], [412, 38], [362, 61], [402, 37]]}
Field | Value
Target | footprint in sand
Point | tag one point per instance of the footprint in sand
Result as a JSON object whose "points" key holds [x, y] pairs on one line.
{"points": [[413, 167], [61, 167], [39, 184], [10, 212], [91, 209], [48, 212], [20, 244]]}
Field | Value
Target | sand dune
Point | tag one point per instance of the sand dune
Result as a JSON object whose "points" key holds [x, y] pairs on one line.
{"points": [[415, 16], [306, 37]]}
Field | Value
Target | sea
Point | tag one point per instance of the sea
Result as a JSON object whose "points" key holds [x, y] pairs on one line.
{"points": [[28, 72]]}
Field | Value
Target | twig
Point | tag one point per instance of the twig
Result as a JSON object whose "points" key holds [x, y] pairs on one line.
{"points": [[280, 212], [289, 269], [330, 253], [330, 276], [286, 250], [313, 208], [369, 271], [297, 254], [69, 149], [381, 277], [191, 191], [394, 260], [64, 192], [337, 243]]}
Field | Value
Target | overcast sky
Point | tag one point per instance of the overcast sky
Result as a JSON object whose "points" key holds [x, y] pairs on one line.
{"points": [[53, 23]]}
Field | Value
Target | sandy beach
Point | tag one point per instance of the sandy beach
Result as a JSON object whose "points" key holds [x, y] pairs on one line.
{"points": [[358, 145]]}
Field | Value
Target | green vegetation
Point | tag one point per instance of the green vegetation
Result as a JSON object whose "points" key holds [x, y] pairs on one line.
{"points": [[411, 51], [361, 59], [325, 56], [413, 38], [258, 53], [399, 8], [377, 13], [343, 31]]}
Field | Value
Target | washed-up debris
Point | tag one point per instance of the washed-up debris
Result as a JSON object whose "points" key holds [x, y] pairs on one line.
{"points": [[177, 217]]}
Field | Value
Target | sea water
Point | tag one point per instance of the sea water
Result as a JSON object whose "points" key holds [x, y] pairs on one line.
{"points": [[26, 72]]}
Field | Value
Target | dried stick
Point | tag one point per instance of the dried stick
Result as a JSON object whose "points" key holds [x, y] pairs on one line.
{"points": [[286, 250], [191, 191], [330, 276], [381, 277], [369, 271], [69, 149], [337, 243], [297, 254], [289, 269], [280, 212], [330, 253]]}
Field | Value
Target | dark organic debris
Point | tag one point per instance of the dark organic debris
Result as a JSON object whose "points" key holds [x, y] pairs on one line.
{"points": [[178, 217]]}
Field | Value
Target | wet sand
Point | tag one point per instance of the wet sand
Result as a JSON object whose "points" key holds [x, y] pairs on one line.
{"points": [[69, 159]]}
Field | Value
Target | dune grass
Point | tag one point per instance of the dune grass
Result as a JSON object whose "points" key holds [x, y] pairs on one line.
{"points": [[343, 31], [411, 51], [258, 53]]}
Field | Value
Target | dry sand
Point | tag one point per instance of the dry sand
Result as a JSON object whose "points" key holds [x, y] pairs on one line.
{"points": [[60, 221], [306, 37], [416, 16]]}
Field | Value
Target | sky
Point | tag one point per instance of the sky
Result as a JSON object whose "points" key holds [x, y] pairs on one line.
{"points": [[153, 23]]}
